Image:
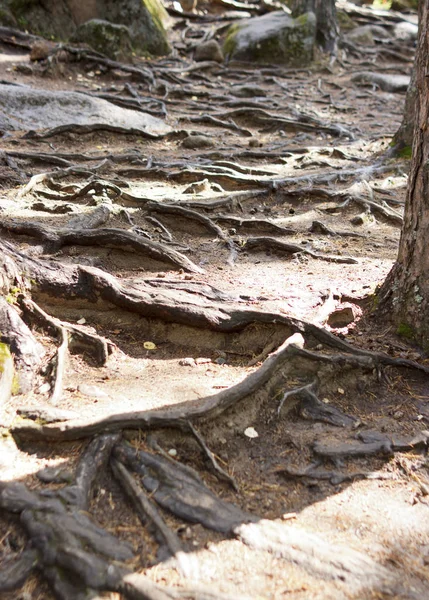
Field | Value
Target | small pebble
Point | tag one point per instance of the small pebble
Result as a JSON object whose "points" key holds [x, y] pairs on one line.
{"points": [[44, 388], [92, 390], [172, 452], [251, 432], [187, 362]]}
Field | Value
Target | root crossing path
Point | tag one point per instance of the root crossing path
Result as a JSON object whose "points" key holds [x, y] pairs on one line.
{"points": [[196, 399]]}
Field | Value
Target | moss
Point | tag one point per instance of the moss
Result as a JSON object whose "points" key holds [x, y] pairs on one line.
{"points": [[405, 152], [7, 367], [345, 22], [405, 331], [4, 355], [157, 12], [230, 43]]}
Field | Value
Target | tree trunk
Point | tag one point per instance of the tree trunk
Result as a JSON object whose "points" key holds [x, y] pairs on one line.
{"points": [[327, 24], [403, 139], [405, 292]]}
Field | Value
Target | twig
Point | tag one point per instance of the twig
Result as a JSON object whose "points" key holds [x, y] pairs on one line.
{"points": [[221, 473]]}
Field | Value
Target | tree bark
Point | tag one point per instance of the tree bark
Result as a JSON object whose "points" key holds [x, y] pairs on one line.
{"points": [[405, 292], [403, 139], [327, 24]]}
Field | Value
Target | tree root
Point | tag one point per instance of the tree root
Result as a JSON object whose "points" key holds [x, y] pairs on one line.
{"points": [[105, 237], [27, 351], [269, 243]]}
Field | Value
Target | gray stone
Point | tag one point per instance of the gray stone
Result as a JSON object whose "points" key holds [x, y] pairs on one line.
{"points": [[343, 316], [145, 19], [24, 108], [273, 38], [187, 362], [208, 51], [92, 391], [108, 38], [248, 91], [405, 31], [366, 35], [197, 141], [387, 83]]}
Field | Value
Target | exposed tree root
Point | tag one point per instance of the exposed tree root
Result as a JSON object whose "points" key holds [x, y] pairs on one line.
{"points": [[107, 237], [27, 350], [77, 557], [269, 243], [73, 554], [318, 556]]}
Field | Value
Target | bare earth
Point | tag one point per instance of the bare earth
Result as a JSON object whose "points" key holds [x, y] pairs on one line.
{"points": [[384, 518]]}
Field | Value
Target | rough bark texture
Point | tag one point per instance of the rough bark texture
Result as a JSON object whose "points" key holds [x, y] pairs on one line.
{"points": [[327, 25], [403, 139], [406, 290]]}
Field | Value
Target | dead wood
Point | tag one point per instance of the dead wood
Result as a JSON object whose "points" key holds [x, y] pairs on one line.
{"points": [[217, 469], [351, 449], [314, 472]]}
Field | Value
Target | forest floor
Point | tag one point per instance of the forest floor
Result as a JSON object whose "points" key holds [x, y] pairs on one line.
{"points": [[282, 182]]}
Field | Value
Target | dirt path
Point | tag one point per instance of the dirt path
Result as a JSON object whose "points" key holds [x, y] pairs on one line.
{"points": [[281, 206]]}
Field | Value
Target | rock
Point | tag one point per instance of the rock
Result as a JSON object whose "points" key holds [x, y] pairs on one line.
{"points": [[198, 187], [387, 83], [24, 69], [188, 5], [40, 50], [187, 362], [343, 316], [366, 35], [405, 31], [345, 21], [108, 38], [25, 108], [273, 38], [197, 141], [248, 91], [145, 19], [92, 391], [44, 388], [209, 51]]}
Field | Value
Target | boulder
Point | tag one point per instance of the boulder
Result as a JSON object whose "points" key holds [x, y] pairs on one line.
{"points": [[208, 51], [406, 31], [273, 38], [24, 108], [366, 35], [108, 38], [146, 19]]}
